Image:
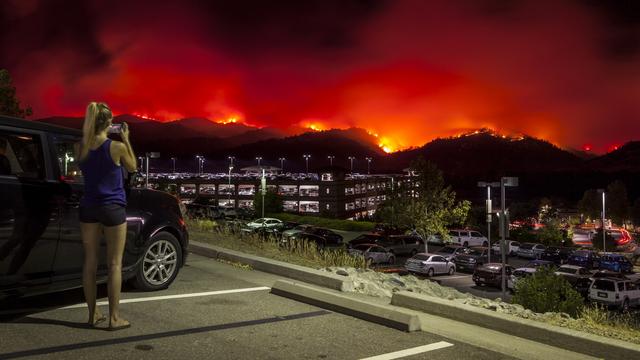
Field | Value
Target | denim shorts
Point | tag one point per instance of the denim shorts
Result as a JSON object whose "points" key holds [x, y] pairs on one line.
{"points": [[107, 215]]}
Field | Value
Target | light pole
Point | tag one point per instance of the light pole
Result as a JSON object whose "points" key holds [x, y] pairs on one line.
{"points": [[231, 160], [173, 159], [229, 199], [604, 233], [141, 162], [331, 157], [368, 165], [198, 159], [306, 159], [352, 158], [488, 185], [504, 226], [282, 163], [258, 159]]}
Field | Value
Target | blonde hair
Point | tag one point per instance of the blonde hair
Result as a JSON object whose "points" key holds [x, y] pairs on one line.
{"points": [[96, 120]]}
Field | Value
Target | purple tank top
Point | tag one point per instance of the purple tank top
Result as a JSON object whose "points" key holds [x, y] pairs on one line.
{"points": [[103, 179]]}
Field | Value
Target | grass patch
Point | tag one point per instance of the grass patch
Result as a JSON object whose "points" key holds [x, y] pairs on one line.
{"points": [[297, 252], [337, 224]]}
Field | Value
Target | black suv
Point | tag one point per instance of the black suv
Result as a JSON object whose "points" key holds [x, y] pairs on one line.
{"points": [[40, 244]]}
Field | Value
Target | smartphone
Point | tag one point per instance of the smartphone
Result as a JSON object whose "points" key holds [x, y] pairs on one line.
{"points": [[115, 129]]}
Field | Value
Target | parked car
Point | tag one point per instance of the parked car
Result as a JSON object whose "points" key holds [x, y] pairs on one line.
{"points": [[329, 235], [375, 254], [473, 258], [429, 264], [468, 238], [534, 264], [615, 240], [519, 274], [557, 254], [491, 274], [403, 245], [582, 237], [265, 224], [450, 251], [615, 262], [288, 233], [204, 207], [320, 241], [585, 258], [41, 247], [577, 276], [512, 247], [530, 250], [366, 239], [620, 293], [386, 230], [608, 274]]}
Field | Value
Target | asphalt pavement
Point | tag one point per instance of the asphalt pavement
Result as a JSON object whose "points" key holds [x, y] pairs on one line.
{"points": [[213, 310]]}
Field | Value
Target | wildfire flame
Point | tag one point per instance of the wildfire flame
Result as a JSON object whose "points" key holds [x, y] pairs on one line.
{"points": [[229, 120]]}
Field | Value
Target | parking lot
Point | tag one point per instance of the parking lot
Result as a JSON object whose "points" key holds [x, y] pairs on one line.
{"points": [[213, 310]]}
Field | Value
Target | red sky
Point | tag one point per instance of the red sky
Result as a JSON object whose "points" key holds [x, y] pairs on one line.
{"points": [[410, 71]]}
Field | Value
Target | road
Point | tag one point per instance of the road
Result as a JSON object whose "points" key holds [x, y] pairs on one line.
{"points": [[206, 319]]}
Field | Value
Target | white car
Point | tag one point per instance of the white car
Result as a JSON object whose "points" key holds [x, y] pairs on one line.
{"points": [[512, 247], [375, 254], [622, 293], [520, 274], [468, 238], [266, 223], [430, 264]]}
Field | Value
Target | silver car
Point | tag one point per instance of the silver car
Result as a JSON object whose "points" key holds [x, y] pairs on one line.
{"points": [[430, 264], [374, 254], [530, 250]]}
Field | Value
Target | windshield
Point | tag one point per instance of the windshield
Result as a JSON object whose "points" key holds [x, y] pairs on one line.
{"points": [[473, 251], [606, 285], [421, 257], [526, 246], [447, 250]]}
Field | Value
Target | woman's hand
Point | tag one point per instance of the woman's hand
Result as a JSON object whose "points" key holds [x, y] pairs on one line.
{"points": [[124, 132]]}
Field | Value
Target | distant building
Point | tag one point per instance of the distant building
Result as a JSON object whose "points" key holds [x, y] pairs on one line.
{"points": [[330, 192]]}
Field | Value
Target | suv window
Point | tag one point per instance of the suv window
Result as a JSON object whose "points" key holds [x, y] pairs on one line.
{"points": [[606, 285], [21, 155], [438, 259], [453, 233], [476, 234], [630, 286], [67, 153]]}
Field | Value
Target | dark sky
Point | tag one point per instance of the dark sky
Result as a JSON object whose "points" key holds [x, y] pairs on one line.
{"points": [[409, 70]]}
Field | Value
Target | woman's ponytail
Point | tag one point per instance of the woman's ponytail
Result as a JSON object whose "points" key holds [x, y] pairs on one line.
{"points": [[88, 129]]}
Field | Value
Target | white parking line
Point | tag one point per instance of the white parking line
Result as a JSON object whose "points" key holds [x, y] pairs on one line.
{"points": [[178, 296], [412, 351]]}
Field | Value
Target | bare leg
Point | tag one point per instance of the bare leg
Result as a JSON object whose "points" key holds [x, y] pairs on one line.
{"points": [[116, 236], [91, 233]]}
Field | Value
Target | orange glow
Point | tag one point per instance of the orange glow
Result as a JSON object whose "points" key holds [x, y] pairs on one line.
{"points": [[314, 125], [613, 148], [229, 120], [587, 147]]}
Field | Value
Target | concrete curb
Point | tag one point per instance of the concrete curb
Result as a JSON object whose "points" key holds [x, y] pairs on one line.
{"points": [[297, 272], [386, 315], [529, 329]]}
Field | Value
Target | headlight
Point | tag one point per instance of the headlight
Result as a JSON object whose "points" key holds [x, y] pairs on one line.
{"points": [[472, 260]]}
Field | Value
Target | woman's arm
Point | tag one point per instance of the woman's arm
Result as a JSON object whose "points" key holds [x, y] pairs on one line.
{"points": [[127, 156]]}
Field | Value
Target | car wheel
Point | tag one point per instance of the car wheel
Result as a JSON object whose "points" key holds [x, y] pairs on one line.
{"points": [[392, 260], [478, 283], [430, 272], [485, 244], [625, 306], [465, 244], [413, 252], [159, 264], [452, 270]]}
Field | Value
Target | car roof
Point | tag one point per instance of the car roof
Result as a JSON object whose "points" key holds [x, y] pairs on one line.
{"points": [[572, 267], [37, 125], [527, 269]]}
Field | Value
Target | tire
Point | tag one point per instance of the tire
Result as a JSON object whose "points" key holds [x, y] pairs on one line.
{"points": [[414, 252], [478, 283], [392, 260], [625, 306], [162, 249], [465, 244], [485, 244], [430, 273], [452, 270]]}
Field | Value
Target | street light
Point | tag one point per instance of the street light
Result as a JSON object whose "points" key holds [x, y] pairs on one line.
{"points": [[331, 157], [282, 163], [173, 159], [200, 160], [258, 158], [368, 165], [149, 155], [141, 162], [504, 226], [489, 185], [604, 235], [352, 158], [231, 160], [306, 159], [229, 199]]}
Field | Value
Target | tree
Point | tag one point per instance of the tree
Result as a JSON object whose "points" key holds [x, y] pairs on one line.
{"points": [[547, 292], [590, 205], [617, 202], [9, 103], [424, 202], [551, 234], [272, 202]]}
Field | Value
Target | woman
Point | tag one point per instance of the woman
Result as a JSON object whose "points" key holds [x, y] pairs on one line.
{"points": [[102, 208]]}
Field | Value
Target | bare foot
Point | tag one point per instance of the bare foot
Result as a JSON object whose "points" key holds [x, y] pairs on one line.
{"points": [[97, 318], [117, 324]]}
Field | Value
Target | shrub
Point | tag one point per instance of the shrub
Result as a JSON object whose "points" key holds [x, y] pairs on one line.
{"points": [[546, 292], [551, 234]]}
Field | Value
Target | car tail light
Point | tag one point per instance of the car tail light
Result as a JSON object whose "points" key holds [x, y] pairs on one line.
{"points": [[625, 238], [181, 221]]}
